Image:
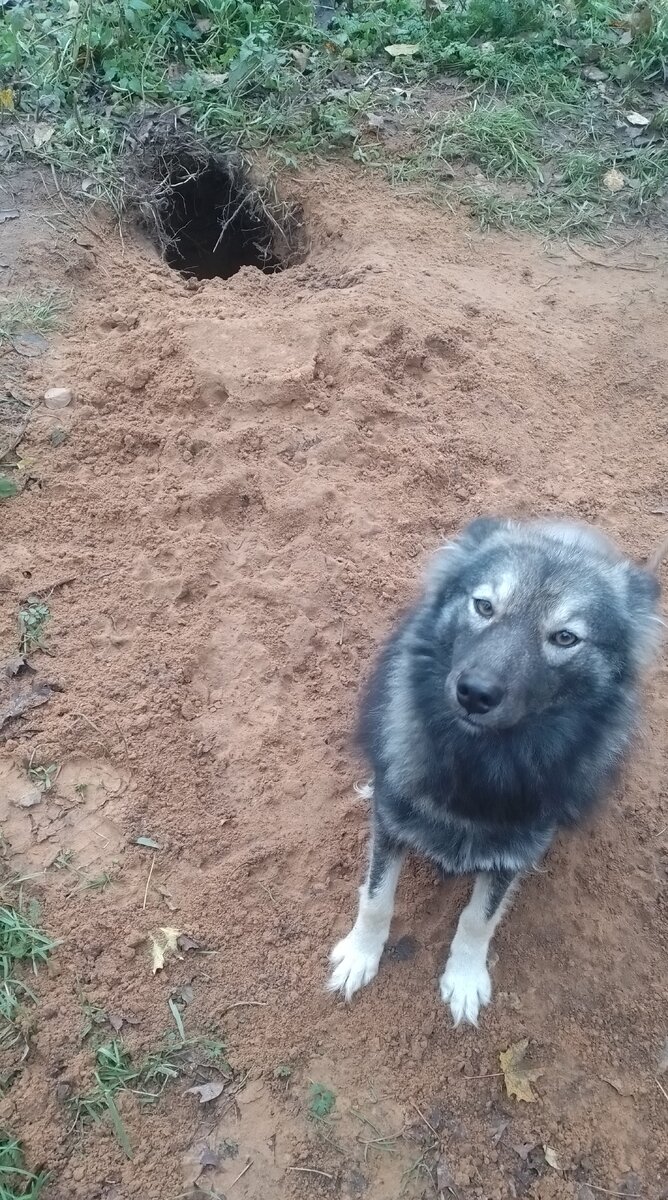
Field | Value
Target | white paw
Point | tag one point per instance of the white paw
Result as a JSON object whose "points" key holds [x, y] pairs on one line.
{"points": [[466, 987], [354, 965]]}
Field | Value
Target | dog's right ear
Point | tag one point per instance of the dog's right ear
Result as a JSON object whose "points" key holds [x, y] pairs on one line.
{"points": [[447, 561]]}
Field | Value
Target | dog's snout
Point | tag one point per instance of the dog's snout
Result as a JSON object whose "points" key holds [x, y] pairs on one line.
{"points": [[477, 694]]}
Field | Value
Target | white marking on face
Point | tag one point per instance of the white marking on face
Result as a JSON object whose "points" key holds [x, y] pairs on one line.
{"points": [[566, 618], [497, 593]]}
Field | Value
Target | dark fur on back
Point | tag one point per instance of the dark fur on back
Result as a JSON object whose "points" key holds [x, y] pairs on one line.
{"points": [[489, 792]]}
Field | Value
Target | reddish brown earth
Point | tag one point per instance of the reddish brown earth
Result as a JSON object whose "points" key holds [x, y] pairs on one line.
{"points": [[255, 473]]}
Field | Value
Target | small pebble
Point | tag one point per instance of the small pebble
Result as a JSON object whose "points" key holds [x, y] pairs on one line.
{"points": [[58, 397]]}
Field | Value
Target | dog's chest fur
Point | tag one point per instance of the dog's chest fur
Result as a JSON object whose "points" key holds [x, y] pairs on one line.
{"points": [[459, 846]]}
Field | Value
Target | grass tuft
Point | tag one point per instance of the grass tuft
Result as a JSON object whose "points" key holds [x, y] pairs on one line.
{"points": [[501, 140], [535, 83], [16, 1182], [116, 1072], [27, 315], [21, 945]]}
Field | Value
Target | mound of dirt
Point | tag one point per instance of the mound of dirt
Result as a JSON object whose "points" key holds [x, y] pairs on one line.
{"points": [[250, 477]]}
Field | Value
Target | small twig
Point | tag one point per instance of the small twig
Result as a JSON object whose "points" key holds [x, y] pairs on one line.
{"points": [[545, 282], [226, 224], [148, 882], [596, 262], [423, 1118], [311, 1171], [491, 1075], [267, 889], [101, 734], [49, 588], [661, 1088], [596, 1187], [246, 1168], [122, 737], [244, 1003]]}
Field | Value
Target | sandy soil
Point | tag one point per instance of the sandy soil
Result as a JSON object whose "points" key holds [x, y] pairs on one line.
{"points": [[255, 472]]}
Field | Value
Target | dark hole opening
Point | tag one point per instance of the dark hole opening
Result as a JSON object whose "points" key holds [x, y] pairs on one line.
{"points": [[216, 222]]}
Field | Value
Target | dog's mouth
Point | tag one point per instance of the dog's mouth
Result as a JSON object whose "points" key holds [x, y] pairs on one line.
{"points": [[472, 724]]}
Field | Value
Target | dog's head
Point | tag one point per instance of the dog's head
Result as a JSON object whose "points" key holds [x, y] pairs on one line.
{"points": [[536, 617]]}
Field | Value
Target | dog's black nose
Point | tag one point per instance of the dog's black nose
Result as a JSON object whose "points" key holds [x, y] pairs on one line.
{"points": [[477, 694]]}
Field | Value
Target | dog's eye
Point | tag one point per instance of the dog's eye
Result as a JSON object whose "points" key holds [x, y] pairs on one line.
{"points": [[564, 638], [484, 608]]}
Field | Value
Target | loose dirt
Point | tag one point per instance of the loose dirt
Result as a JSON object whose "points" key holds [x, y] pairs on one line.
{"points": [[255, 472]]}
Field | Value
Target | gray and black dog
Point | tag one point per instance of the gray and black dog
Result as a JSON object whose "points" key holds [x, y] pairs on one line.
{"points": [[499, 711]]}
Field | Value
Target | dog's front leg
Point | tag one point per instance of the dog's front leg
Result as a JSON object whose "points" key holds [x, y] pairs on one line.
{"points": [[465, 983], [356, 957]]}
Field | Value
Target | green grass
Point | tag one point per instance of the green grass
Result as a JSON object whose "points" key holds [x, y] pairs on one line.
{"points": [[16, 1182], [7, 488], [261, 75], [321, 1101], [33, 616], [43, 776], [30, 315], [22, 946], [501, 140], [115, 1072]]}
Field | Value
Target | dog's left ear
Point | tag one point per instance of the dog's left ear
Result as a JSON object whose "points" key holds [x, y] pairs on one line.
{"points": [[643, 591], [480, 529]]}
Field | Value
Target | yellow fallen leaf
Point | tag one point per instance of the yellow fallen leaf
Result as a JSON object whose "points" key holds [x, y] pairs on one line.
{"points": [[613, 180], [158, 955], [402, 49], [169, 946], [551, 1158], [516, 1076], [171, 937], [6, 98]]}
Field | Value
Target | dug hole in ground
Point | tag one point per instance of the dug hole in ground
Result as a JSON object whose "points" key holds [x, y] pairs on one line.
{"points": [[247, 482]]}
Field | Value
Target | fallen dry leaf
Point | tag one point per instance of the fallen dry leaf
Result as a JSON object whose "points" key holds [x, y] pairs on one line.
{"points": [[636, 118], [402, 49], [42, 134], [6, 99], [613, 180], [185, 942], [15, 665], [641, 21], [167, 897], [595, 74], [24, 702], [30, 345], [445, 1180], [206, 1091], [168, 946], [622, 1088], [551, 1158], [157, 956], [31, 798], [516, 1076], [211, 79], [208, 1157]]}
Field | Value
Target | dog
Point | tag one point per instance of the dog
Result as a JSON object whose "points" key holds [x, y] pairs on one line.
{"points": [[499, 712]]}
